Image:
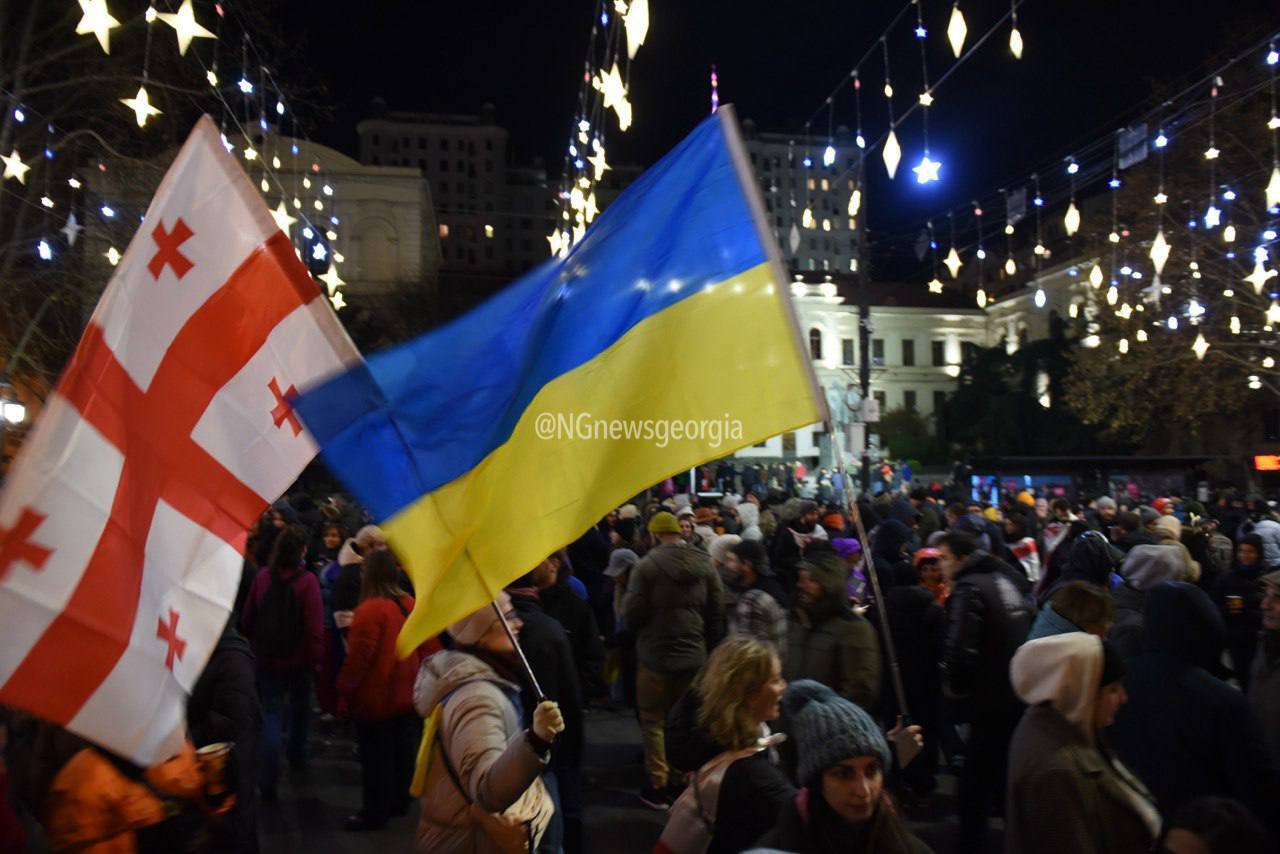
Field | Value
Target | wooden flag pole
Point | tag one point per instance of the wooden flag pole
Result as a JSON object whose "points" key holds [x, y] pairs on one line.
{"points": [[870, 569]]}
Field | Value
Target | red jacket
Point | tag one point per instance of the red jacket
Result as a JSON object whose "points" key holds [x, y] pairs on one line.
{"points": [[375, 685]]}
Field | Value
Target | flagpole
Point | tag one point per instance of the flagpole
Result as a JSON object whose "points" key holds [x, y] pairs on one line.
{"points": [[870, 570], [515, 641]]}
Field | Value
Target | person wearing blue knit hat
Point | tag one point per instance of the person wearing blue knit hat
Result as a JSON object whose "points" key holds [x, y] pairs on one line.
{"points": [[842, 758]]}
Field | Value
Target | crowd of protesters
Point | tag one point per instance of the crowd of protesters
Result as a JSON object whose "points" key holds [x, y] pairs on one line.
{"points": [[1102, 675]]}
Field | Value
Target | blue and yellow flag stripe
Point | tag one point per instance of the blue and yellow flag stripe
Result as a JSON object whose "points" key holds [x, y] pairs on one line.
{"points": [[672, 308]]}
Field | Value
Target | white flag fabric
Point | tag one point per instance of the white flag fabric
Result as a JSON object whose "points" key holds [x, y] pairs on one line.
{"points": [[123, 519]]}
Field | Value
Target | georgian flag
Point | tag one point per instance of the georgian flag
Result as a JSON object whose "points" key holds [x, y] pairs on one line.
{"points": [[123, 520]]}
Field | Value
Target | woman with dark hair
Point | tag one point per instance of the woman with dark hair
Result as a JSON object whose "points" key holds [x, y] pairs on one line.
{"points": [[284, 621], [375, 687], [842, 757]]}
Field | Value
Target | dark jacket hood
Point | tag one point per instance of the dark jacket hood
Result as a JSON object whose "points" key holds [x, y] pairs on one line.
{"points": [[1181, 620], [890, 537]]}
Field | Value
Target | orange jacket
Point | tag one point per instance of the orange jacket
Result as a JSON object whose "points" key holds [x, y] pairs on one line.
{"points": [[94, 808]]}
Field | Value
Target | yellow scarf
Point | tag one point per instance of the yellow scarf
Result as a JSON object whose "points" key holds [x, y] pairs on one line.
{"points": [[419, 784]]}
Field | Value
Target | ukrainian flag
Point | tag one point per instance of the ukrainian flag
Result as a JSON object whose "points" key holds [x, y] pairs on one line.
{"points": [[485, 445]]}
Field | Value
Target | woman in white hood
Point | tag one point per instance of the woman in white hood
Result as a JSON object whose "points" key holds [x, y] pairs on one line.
{"points": [[1067, 791], [749, 515]]}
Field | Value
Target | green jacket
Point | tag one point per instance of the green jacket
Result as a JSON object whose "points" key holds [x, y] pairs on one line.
{"points": [[675, 607], [831, 644]]}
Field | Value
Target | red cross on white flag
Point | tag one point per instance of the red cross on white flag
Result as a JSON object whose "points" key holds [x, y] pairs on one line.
{"points": [[123, 519]]}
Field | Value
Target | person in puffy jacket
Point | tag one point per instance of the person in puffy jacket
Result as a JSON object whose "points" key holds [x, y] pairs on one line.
{"points": [[375, 688], [480, 776], [1239, 595], [988, 617]]}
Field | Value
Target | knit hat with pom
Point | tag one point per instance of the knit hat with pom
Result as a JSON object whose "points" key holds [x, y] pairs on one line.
{"points": [[828, 729]]}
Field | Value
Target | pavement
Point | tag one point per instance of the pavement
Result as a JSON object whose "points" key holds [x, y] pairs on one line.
{"points": [[314, 803]]}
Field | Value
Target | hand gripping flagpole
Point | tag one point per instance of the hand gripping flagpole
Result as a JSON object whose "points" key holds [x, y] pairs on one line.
{"points": [[870, 570]]}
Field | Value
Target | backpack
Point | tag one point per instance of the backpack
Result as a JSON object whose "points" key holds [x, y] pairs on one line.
{"points": [[278, 629]]}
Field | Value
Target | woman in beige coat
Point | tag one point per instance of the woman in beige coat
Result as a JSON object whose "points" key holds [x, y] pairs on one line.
{"points": [[1067, 792], [483, 791]]}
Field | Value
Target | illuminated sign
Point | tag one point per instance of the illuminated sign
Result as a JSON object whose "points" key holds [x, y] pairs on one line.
{"points": [[1266, 462]]}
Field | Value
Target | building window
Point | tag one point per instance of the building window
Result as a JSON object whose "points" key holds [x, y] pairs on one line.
{"points": [[488, 166], [939, 350], [422, 143], [488, 145], [877, 352], [846, 351], [377, 140], [880, 400], [444, 143], [939, 402], [908, 352], [812, 185], [444, 165], [444, 230], [488, 231], [909, 400], [815, 344], [826, 185]]}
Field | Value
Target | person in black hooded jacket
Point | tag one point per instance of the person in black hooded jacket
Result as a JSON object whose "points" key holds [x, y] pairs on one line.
{"points": [[1089, 558], [1239, 595], [1184, 732], [224, 707]]}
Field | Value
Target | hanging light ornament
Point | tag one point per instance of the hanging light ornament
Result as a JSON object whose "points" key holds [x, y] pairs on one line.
{"points": [[1095, 276], [1273, 188], [96, 19], [1071, 221], [1015, 37], [892, 153], [1229, 234], [636, 20], [185, 25], [1234, 326], [982, 298], [1260, 275], [614, 94], [1159, 251], [957, 30], [1010, 266], [935, 285], [1123, 345], [855, 202], [14, 167], [1040, 298], [1200, 347], [953, 262], [1113, 295], [927, 170], [1273, 314]]}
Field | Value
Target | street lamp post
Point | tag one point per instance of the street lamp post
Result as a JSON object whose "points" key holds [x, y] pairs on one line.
{"points": [[864, 329]]}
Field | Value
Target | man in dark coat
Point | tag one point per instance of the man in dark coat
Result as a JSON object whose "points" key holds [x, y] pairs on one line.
{"points": [[224, 707], [579, 622], [546, 646], [791, 539], [988, 617], [1185, 732]]}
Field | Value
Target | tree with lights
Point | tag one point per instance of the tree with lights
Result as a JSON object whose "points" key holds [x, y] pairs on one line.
{"points": [[1181, 327]]}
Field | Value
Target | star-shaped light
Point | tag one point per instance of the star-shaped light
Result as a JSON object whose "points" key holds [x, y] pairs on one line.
{"points": [[598, 162], [636, 21], [184, 24], [1160, 198], [282, 218], [592, 210], [579, 231], [141, 106], [1095, 276], [1211, 153], [338, 301], [926, 99], [1200, 347], [1159, 251], [113, 256], [319, 253], [556, 241], [927, 170], [614, 94], [935, 285], [1273, 188], [14, 167], [1273, 123], [953, 262], [72, 229], [1260, 276], [1212, 217], [96, 19], [331, 279], [957, 30], [1071, 220], [892, 153], [1015, 43]]}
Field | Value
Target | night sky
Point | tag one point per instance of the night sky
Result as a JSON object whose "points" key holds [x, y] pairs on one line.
{"points": [[1088, 66]]}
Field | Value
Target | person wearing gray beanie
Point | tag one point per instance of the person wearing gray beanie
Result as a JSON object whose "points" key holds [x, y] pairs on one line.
{"points": [[842, 761]]}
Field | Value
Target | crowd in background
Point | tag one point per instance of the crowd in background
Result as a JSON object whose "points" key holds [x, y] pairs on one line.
{"points": [[1101, 674]]}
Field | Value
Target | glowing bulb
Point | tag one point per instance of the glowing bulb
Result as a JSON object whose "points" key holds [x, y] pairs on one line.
{"points": [[957, 30], [1113, 237], [927, 170], [1123, 345], [1212, 217], [113, 256], [1141, 336], [981, 254], [1229, 234], [44, 250], [952, 262], [860, 141], [891, 153], [1113, 295], [1235, 325], [1040, 298], [1073, 311], [1269, 362], [1015, 43], [1071, 221], [1073, 167], [935, 286], [1211, 153], [1273, 188], [1010, 267], [855, 202], [1161, 140], [1172, 322], [829, 155], [108, 211], [46, 201], [1273, 57], [245, 86], [1273, 313], [982, 298]]}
